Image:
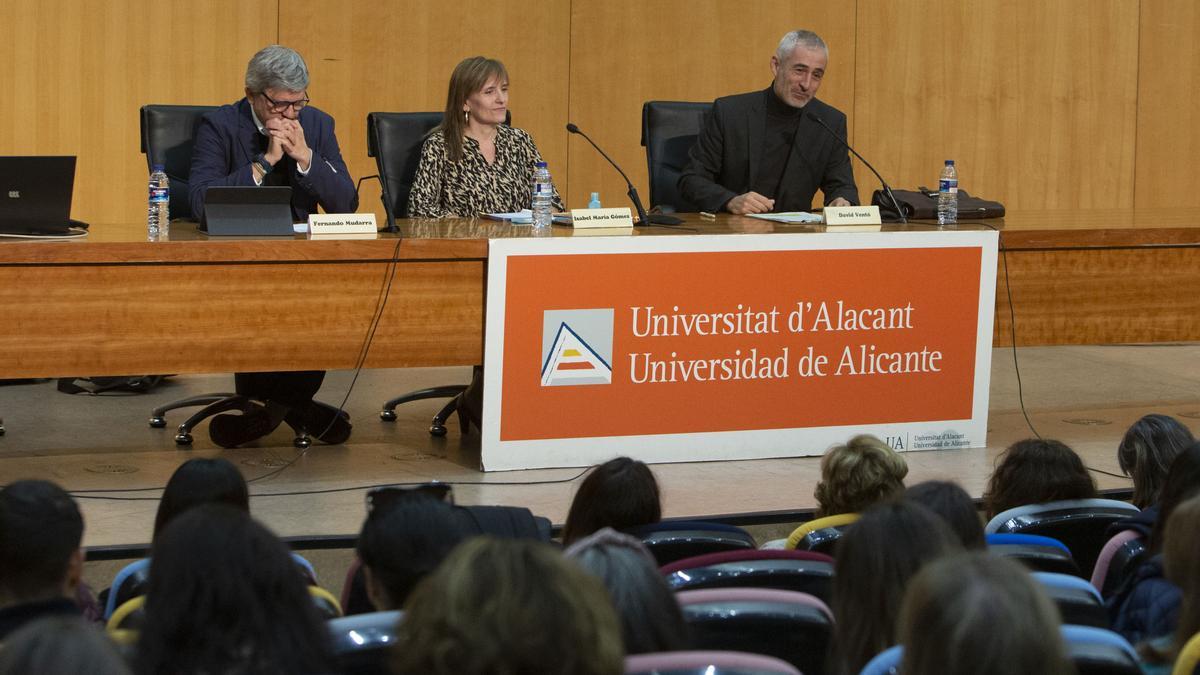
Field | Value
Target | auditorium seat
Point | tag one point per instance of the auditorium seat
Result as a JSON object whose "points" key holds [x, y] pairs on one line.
{"points": [[1120, 556], [800, 571], [669, 130], [1080, 524], [1096, 651], [706, 663], [1038, 553], [362, 643], [672, 540], [822, 534], [795, 627], [1077, 601], [1188, 661], [885, 662], [394, 139]]}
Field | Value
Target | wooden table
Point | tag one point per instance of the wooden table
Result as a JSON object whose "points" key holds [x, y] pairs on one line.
{"points": [[112, 304]]}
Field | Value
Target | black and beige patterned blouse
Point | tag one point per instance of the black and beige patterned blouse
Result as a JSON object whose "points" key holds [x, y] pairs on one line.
{"points": [[472, 186]]}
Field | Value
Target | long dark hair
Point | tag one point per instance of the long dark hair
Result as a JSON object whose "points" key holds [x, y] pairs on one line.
{"points": [[951, 502], [1183, 481], [1146, 452], [1036, 471], [226, 597], [201, 481], [875, 560], [619, 493], [469, 76], [1181, 564]]}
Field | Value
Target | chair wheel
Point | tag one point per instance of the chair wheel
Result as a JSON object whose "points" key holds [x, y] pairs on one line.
{"points": [[302, 442], [387, 415], [158, 422], [437, 429], [183, 439]]}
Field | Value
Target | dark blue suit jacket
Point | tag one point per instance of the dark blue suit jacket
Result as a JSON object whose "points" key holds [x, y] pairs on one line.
{"points": [[227, 141]]}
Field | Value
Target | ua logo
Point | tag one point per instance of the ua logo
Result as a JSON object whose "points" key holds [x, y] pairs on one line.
{"points": [[577, 347]]}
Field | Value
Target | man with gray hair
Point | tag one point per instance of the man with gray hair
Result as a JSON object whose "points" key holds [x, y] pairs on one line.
{"points": [[273, 137], [766, 151]]}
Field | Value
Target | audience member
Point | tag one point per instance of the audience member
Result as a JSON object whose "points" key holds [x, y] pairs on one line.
{"points": [[60, 644], [1146, 605], [201, 481], [402, 543], [875, 561], [1036, 471], [854, 476], [950, 501], [41, 562], [1181, 562], [620, 493], [1146, 452], [651, 620], [226, 597], [508, 606], [979, 614]]}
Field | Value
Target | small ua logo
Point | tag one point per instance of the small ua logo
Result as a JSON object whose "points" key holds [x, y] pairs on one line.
{"points": [[14, 194]]}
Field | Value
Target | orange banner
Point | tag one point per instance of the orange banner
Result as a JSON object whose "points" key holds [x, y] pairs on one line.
{"points": [[633, 344]]}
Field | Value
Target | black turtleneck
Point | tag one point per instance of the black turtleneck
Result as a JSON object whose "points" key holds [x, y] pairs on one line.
{"points": [[780, 132]]}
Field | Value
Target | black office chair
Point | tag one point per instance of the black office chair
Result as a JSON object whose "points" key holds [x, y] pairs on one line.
{"points": [[671, 541], [669, 130], [168, 134], [394, 140], [1081, 524]]}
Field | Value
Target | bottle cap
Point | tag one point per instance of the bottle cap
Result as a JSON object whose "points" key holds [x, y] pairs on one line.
{"points": [[541, 165], [596, 196], [157, 167], [949, 162]]}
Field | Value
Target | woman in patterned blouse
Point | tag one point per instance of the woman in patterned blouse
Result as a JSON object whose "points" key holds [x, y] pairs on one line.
{"points": [[472, 163]]}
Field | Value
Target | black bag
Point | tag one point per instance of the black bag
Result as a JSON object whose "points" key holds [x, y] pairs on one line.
{"points": [[921, 204], [118, 385]]}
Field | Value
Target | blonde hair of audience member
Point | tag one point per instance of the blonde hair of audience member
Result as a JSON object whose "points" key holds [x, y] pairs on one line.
{"points": [[469, 77], [1181, 565], [875, 560], [981, 614], [509, 606], [862, 472]]}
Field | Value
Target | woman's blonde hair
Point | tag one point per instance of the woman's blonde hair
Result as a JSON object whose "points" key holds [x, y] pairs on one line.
{"points": [[862, 472], [469, 76]]}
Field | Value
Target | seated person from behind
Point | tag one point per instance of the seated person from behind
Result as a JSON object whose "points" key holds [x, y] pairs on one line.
{"points": [[1036, 471], [40, 559], [762, 152], [273, 137], [472, 162]]}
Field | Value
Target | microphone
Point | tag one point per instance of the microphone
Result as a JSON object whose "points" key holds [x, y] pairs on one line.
{"points": [[385, 198], [643, 217], [886, 188]]}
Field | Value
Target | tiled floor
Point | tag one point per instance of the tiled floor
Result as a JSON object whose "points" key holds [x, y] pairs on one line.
{"points": [[1086, 396]]}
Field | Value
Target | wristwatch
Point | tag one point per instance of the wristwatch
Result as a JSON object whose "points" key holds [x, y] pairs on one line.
{"points": [[261, 160]]}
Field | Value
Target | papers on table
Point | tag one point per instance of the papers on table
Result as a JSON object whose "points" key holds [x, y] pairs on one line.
{"points": [[793, 217], [525, 217]]}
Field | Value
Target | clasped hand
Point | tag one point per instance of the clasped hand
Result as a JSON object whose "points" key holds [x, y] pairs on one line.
{"points": [[287, 136]]}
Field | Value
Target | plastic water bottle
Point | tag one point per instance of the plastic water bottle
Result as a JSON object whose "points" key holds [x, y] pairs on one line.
{"points": [[594, 202], [948, 195], [543, 197], [158, 219]]}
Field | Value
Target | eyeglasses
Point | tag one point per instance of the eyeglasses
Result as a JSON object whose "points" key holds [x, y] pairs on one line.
{"points": [[280, 106], [381, 499]]}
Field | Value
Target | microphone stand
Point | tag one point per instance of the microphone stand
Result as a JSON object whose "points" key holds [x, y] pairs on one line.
{"points": [[391, 226], [643, 217], [886, 188]]}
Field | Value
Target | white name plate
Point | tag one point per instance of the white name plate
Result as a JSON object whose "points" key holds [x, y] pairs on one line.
{"points": [[852, 215], [326, 224], [589, 218]]}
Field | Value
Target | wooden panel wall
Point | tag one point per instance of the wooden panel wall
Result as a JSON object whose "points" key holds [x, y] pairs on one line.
{"points": [[626, 52], [397, 56], [1033, 99], [1044, 104], [1168, 123], [76, 72]]}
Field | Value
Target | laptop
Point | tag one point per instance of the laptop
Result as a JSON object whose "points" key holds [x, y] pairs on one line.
{"points": [[263, 211], [35, 195]]}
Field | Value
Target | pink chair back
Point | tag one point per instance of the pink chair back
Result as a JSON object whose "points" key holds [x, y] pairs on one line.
{"points": [[736, 556], [1100, 571], [649, 663]]}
